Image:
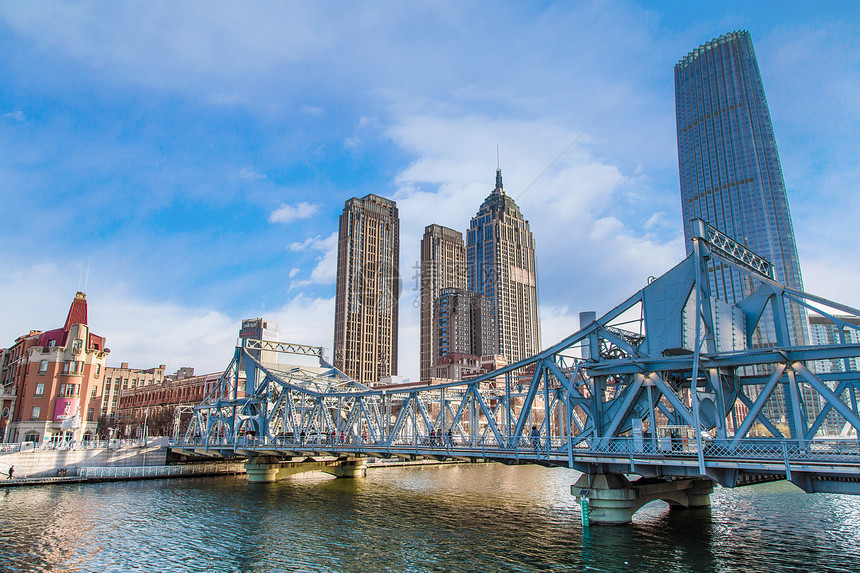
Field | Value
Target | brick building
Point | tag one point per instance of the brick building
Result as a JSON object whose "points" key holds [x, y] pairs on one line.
{"points": [[117, 380], [157, 402], [52, 381]]}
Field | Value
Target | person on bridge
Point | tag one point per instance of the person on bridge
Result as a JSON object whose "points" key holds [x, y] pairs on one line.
{"points": [[11, 471], [450, 437], [535, 436]]}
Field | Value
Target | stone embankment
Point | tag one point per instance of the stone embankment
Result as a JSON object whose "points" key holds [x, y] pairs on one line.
{"points": [[30, 462]]}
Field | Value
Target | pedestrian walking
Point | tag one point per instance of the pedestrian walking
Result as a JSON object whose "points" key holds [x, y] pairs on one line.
{"points": [[535, 436], [11, 471]]}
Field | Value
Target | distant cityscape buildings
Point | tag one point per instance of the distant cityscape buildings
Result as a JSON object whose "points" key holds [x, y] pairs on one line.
{"points": [[823, 330], [119, 380], [368, 289], [729, 167]]}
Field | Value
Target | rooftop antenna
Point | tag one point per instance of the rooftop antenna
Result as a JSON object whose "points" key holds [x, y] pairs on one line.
{"points": [[87, 280]]}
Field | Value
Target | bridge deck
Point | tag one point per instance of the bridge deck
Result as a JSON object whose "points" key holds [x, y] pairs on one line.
{"points": [[835, 459]]}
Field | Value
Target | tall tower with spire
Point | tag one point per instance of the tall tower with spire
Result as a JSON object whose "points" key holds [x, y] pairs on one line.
{"points": [[500, 264]]}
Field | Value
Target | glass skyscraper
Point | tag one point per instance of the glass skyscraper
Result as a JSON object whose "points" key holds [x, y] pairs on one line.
{"points": [[729, 167]]}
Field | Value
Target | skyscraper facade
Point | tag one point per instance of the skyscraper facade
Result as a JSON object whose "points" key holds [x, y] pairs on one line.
{"points": [[500, 264], [464, 324], [368, 288], [443, 265], [730, 172]]}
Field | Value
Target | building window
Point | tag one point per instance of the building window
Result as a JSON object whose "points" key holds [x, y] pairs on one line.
{"points": [[36, 411], [77, 345], [95, 389], [31, 437], [98, 370], [40, 390], [90, 413], [68, 390], [43, 367]]}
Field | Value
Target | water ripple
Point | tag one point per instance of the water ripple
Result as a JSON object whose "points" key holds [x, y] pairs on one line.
{"points": [[469, 517]]}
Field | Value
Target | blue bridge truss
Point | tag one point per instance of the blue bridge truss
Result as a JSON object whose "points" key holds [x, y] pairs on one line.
{"points": [[667, 386]]}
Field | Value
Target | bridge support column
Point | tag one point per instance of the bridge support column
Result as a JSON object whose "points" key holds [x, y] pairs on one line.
{"points": [[612, 499], [262, 469], [348, 468], [267, 469]]}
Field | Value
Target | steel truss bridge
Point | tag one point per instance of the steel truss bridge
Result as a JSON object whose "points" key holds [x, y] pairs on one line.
{"points": [[667, 386]]}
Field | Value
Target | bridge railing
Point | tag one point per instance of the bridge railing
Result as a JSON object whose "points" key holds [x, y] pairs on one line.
{"points": [[465, 445], [833, 450], [817, 450]]}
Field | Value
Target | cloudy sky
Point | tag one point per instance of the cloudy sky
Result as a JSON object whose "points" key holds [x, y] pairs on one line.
{"points": [[186, 163]]}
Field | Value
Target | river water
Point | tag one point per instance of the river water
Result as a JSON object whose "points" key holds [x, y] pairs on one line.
{"points": [[467, 517]]}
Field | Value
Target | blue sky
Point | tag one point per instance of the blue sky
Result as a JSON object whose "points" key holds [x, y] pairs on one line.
{"points": [[195, 156]]}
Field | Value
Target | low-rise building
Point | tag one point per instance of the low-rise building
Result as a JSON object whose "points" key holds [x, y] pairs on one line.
{"points": [[116, 380], [155, 404]]}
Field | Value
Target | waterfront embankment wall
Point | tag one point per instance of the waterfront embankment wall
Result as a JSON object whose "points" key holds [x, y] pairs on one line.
{"points": [[46, 463]]}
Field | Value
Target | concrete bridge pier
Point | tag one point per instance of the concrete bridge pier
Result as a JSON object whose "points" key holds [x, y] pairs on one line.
{"points": [[611, 499], [266, 469]]}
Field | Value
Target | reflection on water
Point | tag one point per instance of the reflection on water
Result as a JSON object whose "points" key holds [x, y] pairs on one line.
{"points": [[469, 517]]}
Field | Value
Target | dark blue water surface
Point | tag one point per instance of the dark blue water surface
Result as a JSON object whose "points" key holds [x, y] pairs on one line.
{"points": [[469, 517]]}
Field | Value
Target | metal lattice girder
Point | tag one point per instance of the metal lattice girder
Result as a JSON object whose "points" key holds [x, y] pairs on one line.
{"points": [[283, 347], [723, 245], [588, 394]]}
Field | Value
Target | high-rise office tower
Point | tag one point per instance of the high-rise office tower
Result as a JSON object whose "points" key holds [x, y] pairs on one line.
{"points": [[729, 167], [464, 324], [500, 257], [368, 288], [443, 265]]}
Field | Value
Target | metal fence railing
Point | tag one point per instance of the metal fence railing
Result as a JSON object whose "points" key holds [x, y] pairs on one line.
{"points": [[158, 471], [63, 445]]}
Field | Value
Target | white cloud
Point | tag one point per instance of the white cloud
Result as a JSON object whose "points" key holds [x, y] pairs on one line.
{"points": [[15, 115], [310, 242], [289, 213], [325, 269], [314, 111], [250, 175], [325, 272], [307, 320]]}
